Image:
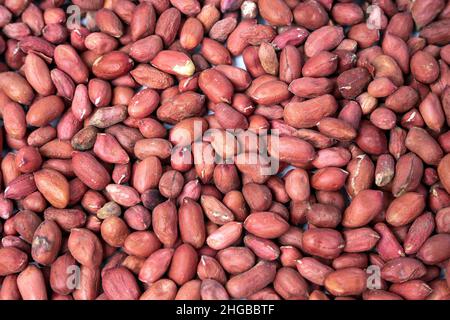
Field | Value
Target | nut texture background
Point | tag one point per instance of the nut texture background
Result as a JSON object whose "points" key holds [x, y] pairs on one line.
{"points": [[225, 149]]}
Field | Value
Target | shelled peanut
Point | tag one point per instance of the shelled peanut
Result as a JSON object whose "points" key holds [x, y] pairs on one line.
{"points": [[141, 162]]}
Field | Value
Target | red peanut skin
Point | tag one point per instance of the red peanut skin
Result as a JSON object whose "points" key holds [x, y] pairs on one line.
{"points": [[419, 231], [31, 284], [98, 180], [360, 239], [109, 167], [236, 260], [59, 276], [443, 167], [313, 270], [165, 222], [290, 285], [324, 242], [357, 214], [434, 250], [266, 225], [252, 280], [402, 269], [263, 248], [191, 223], [224, 236], [184, 263], [411, 290], [13, 261], [400, 214], [388, 246], [346, 282], [189, 291], [9, 290], [120, 284], [156, 265]]}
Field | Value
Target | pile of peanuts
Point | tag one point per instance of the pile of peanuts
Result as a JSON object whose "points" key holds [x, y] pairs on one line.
{"points": [[140, 162]]}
